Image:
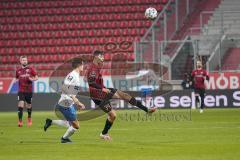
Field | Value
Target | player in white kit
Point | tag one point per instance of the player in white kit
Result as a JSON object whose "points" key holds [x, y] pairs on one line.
{"points": [[68, 102]]}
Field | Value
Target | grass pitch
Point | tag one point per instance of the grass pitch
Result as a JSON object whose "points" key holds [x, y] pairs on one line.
{"points": [[213, 135]]}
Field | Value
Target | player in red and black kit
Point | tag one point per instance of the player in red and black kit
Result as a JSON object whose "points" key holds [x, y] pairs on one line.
{"points": [[102, 95], [198, 77], [25, 75]]}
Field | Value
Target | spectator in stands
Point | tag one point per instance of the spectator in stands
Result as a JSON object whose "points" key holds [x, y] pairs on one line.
{"points": [[186, 83]]}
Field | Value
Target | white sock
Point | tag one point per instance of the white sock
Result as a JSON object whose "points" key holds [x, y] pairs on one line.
{"points": [[61, 123], [69, 132]]}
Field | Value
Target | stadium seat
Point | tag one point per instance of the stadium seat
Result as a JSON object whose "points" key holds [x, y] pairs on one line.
{"points": [[59, 30]]}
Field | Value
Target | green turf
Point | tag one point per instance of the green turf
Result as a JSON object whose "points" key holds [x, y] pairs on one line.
{"points": [[214, 135]]}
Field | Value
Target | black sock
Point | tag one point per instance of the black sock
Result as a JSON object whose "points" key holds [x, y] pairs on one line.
{"points": [[107, 126], [29, 110], [202, 102], [197, 99], [20, 113], [138, 104]]}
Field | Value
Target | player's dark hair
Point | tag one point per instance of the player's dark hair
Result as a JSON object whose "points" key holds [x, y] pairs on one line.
{"points": [[97, 52], [23, 56], [76, 62]]}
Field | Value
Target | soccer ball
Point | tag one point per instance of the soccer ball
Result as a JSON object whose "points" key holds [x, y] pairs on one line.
{"points": [[151, 13]]}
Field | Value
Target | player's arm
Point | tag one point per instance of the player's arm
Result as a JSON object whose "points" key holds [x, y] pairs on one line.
{"points": [[207, 75], [34, 76], [64, 88], [17, 76], [192, 76], [68, 82], [77, 102]]}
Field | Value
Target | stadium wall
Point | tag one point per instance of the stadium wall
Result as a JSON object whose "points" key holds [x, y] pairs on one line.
{"points": [[174, 99], [223, 90], [222, 81]]}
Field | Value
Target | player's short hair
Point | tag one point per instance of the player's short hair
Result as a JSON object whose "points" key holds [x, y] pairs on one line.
{"points": [[76, 62], [97, 52], [199, 61], [23, 56]]}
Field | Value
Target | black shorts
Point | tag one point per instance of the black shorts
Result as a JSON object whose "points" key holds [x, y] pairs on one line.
{"points": [[200, 91], [106, 108], [26, 97]]}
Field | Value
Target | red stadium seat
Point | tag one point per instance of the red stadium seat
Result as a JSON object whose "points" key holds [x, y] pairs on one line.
{"points": [[59, 30], [164, 1], [107, 57]]}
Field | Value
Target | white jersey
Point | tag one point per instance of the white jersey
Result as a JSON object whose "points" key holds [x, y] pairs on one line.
{"points": [[71, 86]]}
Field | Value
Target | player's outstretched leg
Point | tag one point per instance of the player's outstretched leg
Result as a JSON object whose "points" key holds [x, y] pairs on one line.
{"points": [[61, 123], [122, 95], [71, 126], [108, 124], [48, 123]]}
